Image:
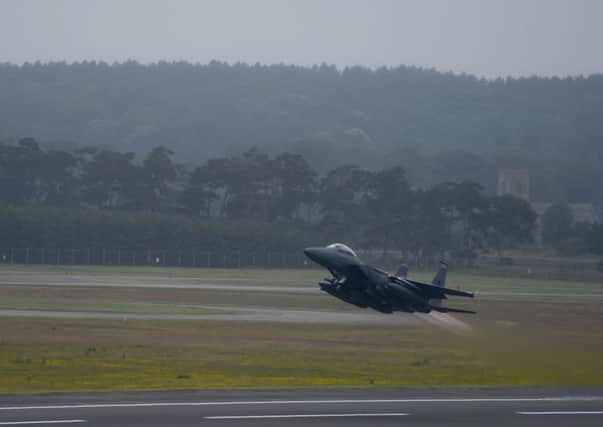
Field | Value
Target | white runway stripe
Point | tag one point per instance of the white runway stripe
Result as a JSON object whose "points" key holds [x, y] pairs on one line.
{"points": [[259, 417], [302, 402], [560, 413], [22, 423]]}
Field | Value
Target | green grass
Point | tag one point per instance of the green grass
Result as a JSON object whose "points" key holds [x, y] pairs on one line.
{"points": [[71, 355], [515, 340]]}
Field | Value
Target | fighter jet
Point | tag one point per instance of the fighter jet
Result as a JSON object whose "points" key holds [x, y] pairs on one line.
{"points": [[365, 286]]}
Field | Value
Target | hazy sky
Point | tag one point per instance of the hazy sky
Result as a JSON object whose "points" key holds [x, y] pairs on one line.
{"points": [[484, 37]]}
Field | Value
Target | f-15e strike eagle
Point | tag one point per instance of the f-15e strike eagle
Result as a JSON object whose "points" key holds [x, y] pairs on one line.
{"points": [[366, 286]]}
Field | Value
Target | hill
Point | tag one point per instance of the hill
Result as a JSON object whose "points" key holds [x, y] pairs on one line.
{"points": [[437, 125]]}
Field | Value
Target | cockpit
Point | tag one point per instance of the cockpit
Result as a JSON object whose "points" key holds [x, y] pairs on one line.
{"points": [[343, 249]]}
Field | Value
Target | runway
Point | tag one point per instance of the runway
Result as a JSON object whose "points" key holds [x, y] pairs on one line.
{"points": [[142, 281], [332, 407], [16, 277], [234, 314]]}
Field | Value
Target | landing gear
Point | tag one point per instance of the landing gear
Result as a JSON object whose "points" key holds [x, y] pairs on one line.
{"points": [[333, 283]]}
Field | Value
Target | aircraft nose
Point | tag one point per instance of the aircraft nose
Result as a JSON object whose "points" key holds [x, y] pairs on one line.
{"points": [[311, 253]]}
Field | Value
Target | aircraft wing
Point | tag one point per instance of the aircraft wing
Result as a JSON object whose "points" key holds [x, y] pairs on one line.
{"points": [[360, 272], [451, 310], [434, 291]]}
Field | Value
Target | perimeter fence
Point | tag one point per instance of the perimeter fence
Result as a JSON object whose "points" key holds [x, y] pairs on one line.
{"points": [[532, 267], [154, 257], [189, 258]]}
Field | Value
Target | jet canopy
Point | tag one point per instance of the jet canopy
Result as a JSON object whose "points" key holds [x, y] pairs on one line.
{"points": [[343, 249]]}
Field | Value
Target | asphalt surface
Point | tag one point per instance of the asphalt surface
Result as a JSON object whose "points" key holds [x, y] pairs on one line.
{"points": [[331, 407], [237, 314], [140, 281], [234, 314], [441, 320], [15, 277]]}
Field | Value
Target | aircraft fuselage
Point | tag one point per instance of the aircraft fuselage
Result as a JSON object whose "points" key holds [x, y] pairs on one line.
{"points": [[366, 286]]}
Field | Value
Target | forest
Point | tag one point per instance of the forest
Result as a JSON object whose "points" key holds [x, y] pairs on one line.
{"points": [[438, 126], [96, 197]]}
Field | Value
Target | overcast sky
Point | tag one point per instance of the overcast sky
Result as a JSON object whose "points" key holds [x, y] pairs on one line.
{"points": [[484, 37]]}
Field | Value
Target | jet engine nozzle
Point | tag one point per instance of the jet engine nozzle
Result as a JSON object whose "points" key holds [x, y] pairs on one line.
{"points": [[324, 284]]}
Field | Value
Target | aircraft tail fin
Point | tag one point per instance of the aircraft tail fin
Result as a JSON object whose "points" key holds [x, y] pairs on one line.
{"points": [[440, 277], [402, 271], [439, 280]]}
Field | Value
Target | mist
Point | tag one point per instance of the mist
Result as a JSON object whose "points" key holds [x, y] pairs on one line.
{"points": [[486, 38]]}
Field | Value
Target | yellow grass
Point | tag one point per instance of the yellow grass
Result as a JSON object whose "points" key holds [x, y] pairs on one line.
{"points": [[40, 355], [514, 341]]}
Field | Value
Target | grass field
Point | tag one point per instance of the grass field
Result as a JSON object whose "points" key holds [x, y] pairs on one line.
{"points": [[515, 340], [41, 355]]}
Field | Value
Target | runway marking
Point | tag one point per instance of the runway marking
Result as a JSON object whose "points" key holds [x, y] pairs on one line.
{"points": [[536, 294], [560, 413], [20, 423], [303, 402], [259, 417]]}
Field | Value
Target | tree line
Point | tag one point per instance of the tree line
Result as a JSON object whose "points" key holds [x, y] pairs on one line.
{"points": [[568, 237], [95, 196], [438, 126]]}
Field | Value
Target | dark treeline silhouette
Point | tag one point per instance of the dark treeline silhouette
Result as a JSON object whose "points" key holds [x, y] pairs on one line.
{"points": [[438, 126], [97, 197]]}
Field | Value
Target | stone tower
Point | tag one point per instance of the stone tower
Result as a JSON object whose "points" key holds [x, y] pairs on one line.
{"points": [[515, 182]]}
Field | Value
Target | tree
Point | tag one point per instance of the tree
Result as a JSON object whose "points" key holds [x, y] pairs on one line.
{"points": [[249, 185], [201, 190], [19, 172], [58, 182], [112, 180], [31, 175], [511, 220], [342, 198], [594, 237], [427, 232], [244, 186], [462, 165], [389, 200], [296, 185], [557, 223], [160, 172]]}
